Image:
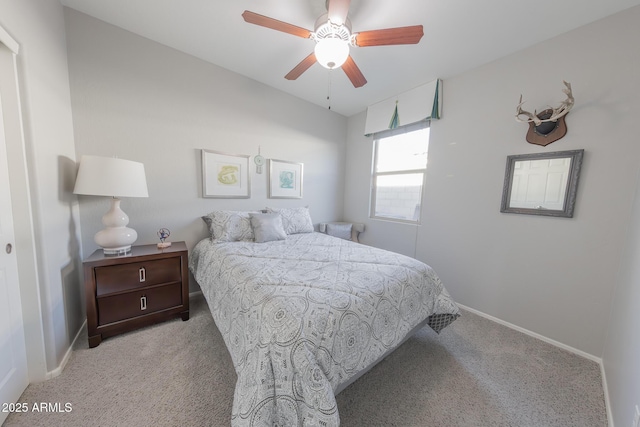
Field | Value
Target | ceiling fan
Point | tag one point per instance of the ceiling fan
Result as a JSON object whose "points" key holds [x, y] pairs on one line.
{"points": [[333, 36]]}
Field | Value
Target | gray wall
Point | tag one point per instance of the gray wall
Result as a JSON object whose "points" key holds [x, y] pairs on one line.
{"points": [[42, 168], [139, 100], [552, 276]]}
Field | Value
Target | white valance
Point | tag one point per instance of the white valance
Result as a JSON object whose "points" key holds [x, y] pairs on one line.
{"points": [[421, 103]]}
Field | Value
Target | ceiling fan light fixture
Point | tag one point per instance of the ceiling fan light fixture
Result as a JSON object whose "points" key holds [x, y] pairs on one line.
{"points": [[332, 52], [333, 38]]}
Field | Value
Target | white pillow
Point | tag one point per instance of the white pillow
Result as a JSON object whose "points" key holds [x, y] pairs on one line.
{"points": [[295, 220], [229, 226], [267, 227]]}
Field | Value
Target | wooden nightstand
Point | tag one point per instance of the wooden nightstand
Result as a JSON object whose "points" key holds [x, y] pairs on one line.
{"points": [[124, 293]]}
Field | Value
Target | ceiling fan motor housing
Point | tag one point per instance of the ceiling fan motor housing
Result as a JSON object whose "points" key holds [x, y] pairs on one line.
{"points": [[332, 42], [325, 28]]}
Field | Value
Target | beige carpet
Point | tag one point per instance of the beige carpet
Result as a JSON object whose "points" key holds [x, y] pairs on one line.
{"points": [[475, 373]]}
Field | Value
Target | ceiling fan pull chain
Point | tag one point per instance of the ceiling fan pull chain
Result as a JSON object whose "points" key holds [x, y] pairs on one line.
{"points": [[329, 91]]}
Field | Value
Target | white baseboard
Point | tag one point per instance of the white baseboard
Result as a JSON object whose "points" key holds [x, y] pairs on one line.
{"points": [[57, 371], [555, 343], [533, 334], [67, 355]]}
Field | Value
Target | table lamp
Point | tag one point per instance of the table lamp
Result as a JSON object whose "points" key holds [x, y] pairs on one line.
{"points": [[113, 177]]}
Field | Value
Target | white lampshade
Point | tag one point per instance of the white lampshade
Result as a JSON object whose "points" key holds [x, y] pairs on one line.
{"points": [[109, 176], [331, 52]]}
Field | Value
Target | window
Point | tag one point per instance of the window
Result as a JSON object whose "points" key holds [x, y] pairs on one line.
{"points": [[399, 167]]}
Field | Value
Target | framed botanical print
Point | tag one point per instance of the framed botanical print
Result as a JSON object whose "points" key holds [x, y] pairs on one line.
{"points": [[225, 175], [285, 179]]}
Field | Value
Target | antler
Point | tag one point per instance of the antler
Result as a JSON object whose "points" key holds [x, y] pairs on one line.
{"points": [[532, 116], [561, 111]]}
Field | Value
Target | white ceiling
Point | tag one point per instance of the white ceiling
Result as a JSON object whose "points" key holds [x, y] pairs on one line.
{"points": [[459, 35]]}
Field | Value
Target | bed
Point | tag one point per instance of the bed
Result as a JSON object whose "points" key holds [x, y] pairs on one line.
{"points": [[305, 314]]}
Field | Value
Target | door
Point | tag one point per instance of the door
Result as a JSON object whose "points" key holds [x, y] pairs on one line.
{"points": [[13, 358]]}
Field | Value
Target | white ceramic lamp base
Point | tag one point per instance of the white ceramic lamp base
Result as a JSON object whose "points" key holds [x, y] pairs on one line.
{"points": [[116, 238]]}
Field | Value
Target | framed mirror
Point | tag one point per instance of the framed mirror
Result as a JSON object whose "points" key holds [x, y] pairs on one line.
{"points": [[542, 183]]}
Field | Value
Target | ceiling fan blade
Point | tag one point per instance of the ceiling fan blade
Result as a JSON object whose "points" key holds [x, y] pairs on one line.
{"points": [[274, 24], [301, 67], [390, 36], [337, 11], [353, 72]]}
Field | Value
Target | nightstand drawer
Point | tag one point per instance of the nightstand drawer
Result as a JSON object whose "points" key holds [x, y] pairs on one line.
{"points": [[125, 277], [138, 303]]}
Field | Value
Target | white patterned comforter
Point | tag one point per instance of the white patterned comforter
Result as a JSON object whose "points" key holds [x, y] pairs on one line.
{"points": [[305, 315]]}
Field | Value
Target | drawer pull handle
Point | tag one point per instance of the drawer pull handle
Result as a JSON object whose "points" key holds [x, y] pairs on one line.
{"points": [[143, 274], [143, 303]]}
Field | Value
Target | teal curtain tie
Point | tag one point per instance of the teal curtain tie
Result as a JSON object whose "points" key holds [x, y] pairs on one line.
{"points": [[395, 118], [435, 111]]}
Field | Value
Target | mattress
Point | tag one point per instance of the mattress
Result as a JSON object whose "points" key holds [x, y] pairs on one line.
{"points": [[304, 317]]}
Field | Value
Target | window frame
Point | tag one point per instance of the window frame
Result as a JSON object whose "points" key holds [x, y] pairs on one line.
{"points": [[374, 175]]}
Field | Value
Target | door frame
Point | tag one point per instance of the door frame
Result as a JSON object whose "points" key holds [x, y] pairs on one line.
{"points": [[21, 200]]}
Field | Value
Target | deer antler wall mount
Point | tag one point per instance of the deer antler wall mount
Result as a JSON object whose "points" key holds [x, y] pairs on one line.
{"points": [[548, 125]]}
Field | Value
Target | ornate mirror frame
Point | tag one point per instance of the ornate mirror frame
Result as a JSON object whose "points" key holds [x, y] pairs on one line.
{"points": [[570, 190]]}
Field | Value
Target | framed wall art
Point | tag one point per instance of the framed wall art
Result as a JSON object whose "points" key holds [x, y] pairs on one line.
{"points": [[225, 176], [285, 179]]}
